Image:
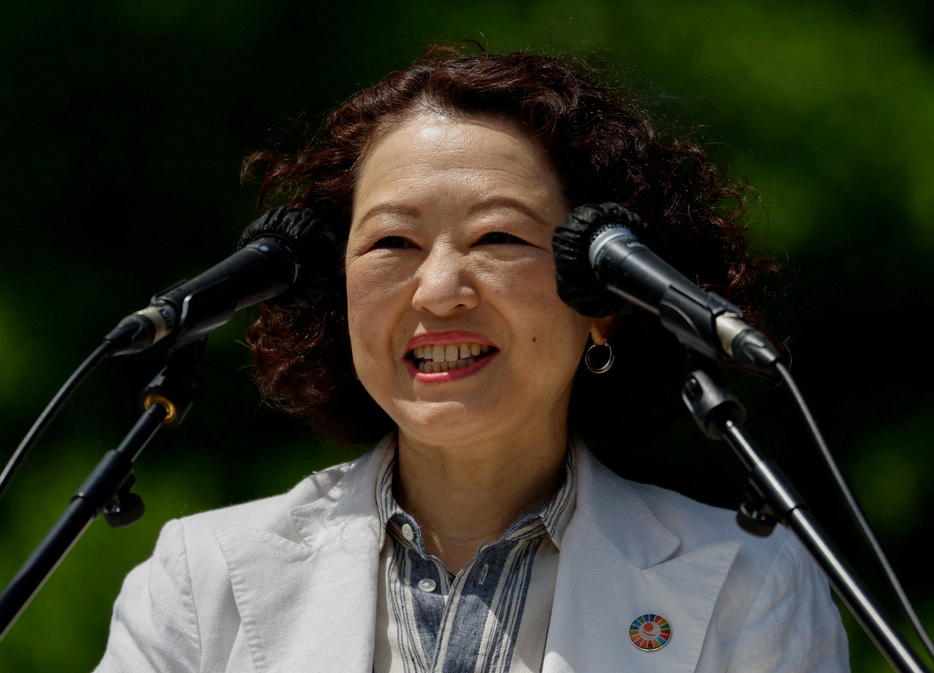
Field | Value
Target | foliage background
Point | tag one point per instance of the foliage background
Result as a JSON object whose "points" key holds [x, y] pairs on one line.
{"points": [[122, 128]]}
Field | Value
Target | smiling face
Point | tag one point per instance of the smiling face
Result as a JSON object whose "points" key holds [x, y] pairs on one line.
{"points": [[456, 327]]}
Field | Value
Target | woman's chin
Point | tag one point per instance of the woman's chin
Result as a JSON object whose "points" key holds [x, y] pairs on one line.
{"points": [[445, 423]]}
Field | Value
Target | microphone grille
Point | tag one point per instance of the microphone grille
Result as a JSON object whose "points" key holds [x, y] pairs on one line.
{"points": [[578, 285], [314, 249]]}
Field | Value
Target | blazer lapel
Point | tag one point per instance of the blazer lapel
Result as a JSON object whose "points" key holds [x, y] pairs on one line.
{"points": [[310, 605], [617, 563]]}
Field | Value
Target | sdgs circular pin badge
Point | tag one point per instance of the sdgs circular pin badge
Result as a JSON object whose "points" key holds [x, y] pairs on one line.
{"points": [[650, 632]]}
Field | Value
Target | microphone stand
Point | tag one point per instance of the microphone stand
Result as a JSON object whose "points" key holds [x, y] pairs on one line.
{"points": [[773, 500], [166, 401]]}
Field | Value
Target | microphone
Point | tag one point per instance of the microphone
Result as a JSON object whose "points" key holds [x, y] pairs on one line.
{"points": [[285, 255], [599, 261]]}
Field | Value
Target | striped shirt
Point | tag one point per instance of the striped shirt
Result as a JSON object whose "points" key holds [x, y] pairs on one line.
{"points": [[492, 617]]}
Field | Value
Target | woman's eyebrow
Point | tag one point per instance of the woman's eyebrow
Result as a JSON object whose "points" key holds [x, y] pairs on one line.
{"points": [[392, 209], [495, 203]]}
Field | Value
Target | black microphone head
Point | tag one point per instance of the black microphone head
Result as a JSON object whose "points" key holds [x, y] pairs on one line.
{"points": [[578, 285], [314, 249]]}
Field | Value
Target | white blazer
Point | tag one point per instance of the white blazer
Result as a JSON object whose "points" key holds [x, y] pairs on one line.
{"points": [[289, 583]]}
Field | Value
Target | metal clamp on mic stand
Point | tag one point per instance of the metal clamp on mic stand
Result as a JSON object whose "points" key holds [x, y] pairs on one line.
{"points": [[166, 401], [773, 500]]}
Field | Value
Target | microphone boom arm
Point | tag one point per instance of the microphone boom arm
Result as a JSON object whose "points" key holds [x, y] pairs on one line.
{"points": [[719, 415]]}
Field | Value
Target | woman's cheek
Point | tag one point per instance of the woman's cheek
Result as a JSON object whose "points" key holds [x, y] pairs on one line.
{"points": [[375, 296], [367, 278]]}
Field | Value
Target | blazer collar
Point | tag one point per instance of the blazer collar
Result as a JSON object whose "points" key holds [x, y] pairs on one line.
{"points": [[615, 508]]}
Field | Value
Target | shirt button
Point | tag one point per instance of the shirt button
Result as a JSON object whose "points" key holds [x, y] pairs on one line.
{"points": [[427, 585], [407, 532]]}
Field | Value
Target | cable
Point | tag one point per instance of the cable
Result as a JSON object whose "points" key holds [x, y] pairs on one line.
{"points": [[51, 410], [856, 510]]}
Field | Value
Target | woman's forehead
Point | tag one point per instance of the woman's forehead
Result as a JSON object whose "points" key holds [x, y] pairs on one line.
{"points": [[432, 151]]}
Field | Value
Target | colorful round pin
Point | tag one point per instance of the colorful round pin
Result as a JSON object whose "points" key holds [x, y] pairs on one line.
{"points": [[650, 632]]}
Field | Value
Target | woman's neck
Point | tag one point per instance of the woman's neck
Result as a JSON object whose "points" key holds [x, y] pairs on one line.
{"points": [[465, 498]]}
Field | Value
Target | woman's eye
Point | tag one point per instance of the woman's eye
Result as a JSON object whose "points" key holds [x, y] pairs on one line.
{"points": [[500, 238], [393, 242]]}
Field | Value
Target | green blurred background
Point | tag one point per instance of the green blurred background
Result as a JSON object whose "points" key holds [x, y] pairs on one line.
{"points": [[123, 123]]}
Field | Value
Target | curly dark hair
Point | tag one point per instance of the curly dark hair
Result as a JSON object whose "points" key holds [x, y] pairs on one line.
{"points": [[604, 148]]}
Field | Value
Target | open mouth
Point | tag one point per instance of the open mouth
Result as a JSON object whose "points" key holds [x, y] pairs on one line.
{"points": [[435, 358]]}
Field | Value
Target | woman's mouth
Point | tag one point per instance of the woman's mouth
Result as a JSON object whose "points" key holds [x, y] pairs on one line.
{"points": [[439, 358]]}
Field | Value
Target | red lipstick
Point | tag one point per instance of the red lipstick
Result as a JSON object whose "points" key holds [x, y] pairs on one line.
{"points": [[444, 339]]}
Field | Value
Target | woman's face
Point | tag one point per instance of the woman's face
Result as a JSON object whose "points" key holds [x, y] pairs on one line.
{"points": [[456, 327]]}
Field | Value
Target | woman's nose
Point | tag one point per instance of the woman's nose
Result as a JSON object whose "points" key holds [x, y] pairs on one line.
{"points": [[445, 283]]}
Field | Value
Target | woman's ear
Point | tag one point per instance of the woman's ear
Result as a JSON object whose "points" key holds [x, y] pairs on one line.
{"points": [[602, 329]]}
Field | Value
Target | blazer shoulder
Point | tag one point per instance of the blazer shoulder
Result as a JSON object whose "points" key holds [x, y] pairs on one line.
{"points": [[694, 524], [270, 514], [697, 523]]}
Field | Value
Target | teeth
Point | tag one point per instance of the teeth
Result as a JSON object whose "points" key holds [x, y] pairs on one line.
{"points": [[435, 357], [428, 366]]}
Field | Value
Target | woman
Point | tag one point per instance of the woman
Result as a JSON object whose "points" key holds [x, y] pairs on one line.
{"points": [[480, 534]]}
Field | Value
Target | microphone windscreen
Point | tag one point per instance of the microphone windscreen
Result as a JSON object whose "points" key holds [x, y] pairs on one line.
{"points": [[578, 284], [314, 250]]}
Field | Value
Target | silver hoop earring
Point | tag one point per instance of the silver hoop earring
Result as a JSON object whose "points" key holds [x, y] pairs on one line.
{"points": [[606, 366]]}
